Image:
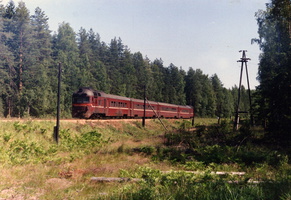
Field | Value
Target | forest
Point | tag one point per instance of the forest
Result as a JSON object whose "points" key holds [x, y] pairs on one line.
{"points": [[30, 55]]}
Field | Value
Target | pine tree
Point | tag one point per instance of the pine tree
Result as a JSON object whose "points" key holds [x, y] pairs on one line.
{"points": [[8, 87], [18, 23], [128, 78], [85, 65], [38, 79], [219, 98], [227, 103], [98, 56], [116, 51], [142, 74], [157, 85], [66, 52], [22, 39], [193, 90], [175, 84], [95, 46]]}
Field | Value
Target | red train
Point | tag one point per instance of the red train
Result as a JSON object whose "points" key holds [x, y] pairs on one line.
{"points": [[89, 103]]}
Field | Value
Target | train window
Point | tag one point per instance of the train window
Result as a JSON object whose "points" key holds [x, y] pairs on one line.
{"points": [[81, 100]]}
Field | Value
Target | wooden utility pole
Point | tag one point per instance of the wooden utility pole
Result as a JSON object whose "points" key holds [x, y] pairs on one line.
{"points": [[193, 120], [57, 127], [243, 61], [144, 106]]}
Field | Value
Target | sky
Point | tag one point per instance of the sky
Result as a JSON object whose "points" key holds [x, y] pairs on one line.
{"points": [[202, 34]]}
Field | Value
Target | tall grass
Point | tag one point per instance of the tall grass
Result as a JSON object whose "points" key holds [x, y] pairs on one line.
{"points": [[34, 167], [185, 185], [32, 142]]}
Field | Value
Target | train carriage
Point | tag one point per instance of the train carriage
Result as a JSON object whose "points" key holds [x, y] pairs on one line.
{"points": [[116, 106], [89, 103], [151, 110]]}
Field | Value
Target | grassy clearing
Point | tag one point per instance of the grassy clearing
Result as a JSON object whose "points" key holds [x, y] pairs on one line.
{"points": [[34, 167]]}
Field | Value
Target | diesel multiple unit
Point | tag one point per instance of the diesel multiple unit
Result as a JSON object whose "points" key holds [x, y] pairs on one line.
{"points": [[89, 103]]}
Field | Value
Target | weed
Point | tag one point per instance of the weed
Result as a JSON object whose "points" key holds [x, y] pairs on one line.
{"points": [[19, 127], [43, 130], [185, 125], [194, 165], [6, 137], [148, 150], [89, 139]]}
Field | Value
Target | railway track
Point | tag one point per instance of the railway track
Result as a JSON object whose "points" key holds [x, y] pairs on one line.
{"points": [[73, 120]]}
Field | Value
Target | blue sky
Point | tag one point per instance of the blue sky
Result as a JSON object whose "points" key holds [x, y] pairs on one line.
{"points": [[204, 34]]}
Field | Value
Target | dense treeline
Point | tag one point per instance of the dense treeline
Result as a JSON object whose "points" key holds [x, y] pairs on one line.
{"points": [[274, 92], [30, 53]]}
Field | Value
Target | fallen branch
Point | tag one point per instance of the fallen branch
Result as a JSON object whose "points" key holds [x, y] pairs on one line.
{"points": [[108, 179], [201, 172]]}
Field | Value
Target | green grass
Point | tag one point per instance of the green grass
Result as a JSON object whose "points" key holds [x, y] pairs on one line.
{"points": [[33, 166]]}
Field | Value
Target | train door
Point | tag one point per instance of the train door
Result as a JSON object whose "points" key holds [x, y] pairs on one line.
{"points": [[131, 108], [179, 112], [105, 107]]}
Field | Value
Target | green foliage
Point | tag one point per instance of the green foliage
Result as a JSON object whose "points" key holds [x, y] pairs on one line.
{"points": [[185, 185], [90, 139], [29, 142], [19, 127], [6, 137], [217, 144], [147, 150], [186, 124], [273, 93]]}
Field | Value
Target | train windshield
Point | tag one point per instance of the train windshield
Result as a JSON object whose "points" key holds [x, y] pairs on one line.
{"points": [[81, 99]]}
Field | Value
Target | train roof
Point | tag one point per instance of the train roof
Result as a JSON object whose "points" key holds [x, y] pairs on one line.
{"points": [[103, 94], [84, 90]]}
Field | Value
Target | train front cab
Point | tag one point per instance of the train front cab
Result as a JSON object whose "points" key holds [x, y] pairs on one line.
{"points": [[82, 103]]}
